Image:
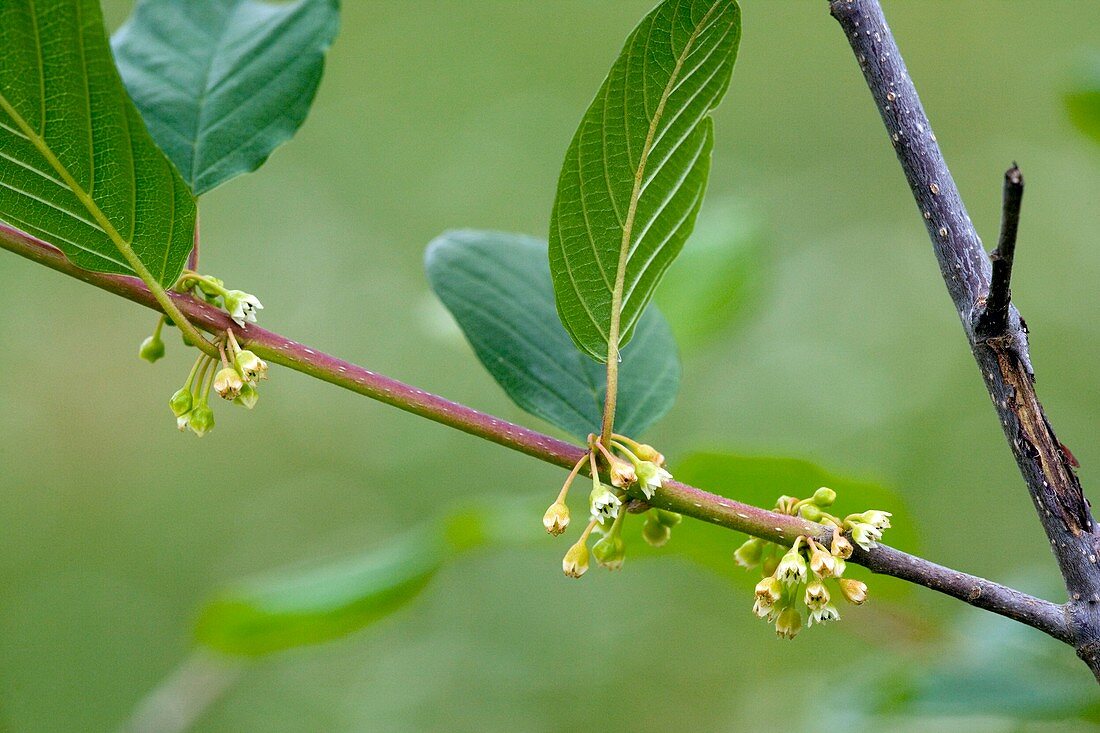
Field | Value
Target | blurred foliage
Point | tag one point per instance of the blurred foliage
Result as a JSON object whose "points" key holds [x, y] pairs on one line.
{"points": [[458, 115], [1083, 98], [497, 286]]}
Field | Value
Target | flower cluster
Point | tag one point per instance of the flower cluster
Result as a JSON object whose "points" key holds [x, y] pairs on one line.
{"points": [[242, 307], [798, 580], [627, 464], [236, 381]]}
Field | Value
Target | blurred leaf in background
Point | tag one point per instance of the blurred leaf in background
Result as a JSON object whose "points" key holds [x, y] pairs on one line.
{"points": [[497, 286], [715, 283], [222, 83], [1083, 98]]}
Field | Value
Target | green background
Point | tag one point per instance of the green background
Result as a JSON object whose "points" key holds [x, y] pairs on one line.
{"points": [[438, 115]]}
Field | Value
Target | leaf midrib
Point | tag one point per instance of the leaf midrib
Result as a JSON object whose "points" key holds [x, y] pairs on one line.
{"points": [[639, 177]]}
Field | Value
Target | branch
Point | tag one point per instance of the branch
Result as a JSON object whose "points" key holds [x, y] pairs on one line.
{"points": [[993, 321], [781, 528], [1004, 361]]}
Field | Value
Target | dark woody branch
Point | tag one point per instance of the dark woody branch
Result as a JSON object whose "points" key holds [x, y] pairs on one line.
{"points": [[993, 321], [1047, 469]]}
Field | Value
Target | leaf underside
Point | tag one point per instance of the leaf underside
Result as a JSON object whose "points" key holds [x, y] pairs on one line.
{"points": [[222, 83], [77, 167], [497, 286], [636, 171]]}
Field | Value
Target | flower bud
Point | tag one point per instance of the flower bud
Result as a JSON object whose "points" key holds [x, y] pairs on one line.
{"points": [[648, 453], [748, 554], [152, 349], [251, 367], [854, 591], [228, 383], [556, 519], [789, 623], [575, 562], [247, 397], [811, 512], [655, 533], [824, 497], [201, 421], [181, 402], [669, 519], [610, 551], [841, 547]]}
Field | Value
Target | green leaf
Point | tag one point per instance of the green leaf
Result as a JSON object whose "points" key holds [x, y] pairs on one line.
{"points": [[636, 171], [222, 83], [1083, 100], [498, 288], [718, 277], [322, 603], [760, 480], [79, 169]]}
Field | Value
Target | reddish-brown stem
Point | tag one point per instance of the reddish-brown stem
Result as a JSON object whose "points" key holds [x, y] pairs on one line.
{"points": [[674, 496]]}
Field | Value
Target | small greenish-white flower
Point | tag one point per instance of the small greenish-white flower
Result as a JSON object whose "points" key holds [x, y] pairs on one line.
{"points": [[152, 348], [825, 613], [650, 477], [854, 591], [769, 590], [840, 567], [788, 623], [556, 519], [822, 562], [748, 554], [610, 551], [575, 562], [622, 473], [248, 396], [816, 595], [866, 535], [655, 532], [228, 383], [824, 497], [765, 609], [878, 519], [201, 420], [242, 307], [181, 402], [605, 505], [792, 568], [840, 546], [251, 367], [183, 422]]}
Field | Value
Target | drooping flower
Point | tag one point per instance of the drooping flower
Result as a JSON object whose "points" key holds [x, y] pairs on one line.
{"points": [[242, 306], [605, 505], [556, 519], [650, 477], [792, 568]]}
